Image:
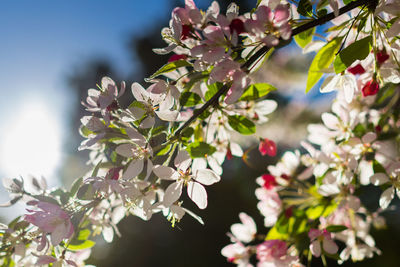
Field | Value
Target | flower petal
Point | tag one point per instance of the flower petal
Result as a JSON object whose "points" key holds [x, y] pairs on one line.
{"points": [[330, 246], [172, 193], [58, 234], [330, 120], [207, 177], [165, 173], [125, 150], [139, 92], [315, 248], [379, 178], [182, 160], [197, 194], [134, 169], [386, 197]]}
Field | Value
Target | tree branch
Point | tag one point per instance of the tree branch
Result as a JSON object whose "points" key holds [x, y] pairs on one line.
{"points": [[263, 50]]}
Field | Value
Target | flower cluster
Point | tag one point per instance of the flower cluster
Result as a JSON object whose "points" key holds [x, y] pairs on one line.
{"points": [[311, 202]]}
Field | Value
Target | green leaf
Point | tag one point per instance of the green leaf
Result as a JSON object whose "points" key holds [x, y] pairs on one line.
{"points": [[256, 91], [200, 149], [320, 210], [46, 199], [171, 66], [241, 124], [81, 241], [187, 133], [358, 50], [322, 4], [212, 90], [96, 169], [163, 151], [336, 228], [378, 167], [321, 61], [322, 12], [359, 130], [190, 99], [81, 245], [274, 234], [84, 131], [85, 192], [194, 78], [305, 8], [158, 130], [303, 38], [75, 186]]}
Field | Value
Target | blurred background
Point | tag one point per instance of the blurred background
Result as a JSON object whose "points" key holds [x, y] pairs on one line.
{"points": [[51, 52]]}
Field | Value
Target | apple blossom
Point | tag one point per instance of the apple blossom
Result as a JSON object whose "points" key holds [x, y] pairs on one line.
{"points": [[51, 219]]}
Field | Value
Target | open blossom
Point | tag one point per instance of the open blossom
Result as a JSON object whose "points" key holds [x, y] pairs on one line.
{"points": [[183, 176], [256, 111], [229, 71], [268, 26], [238, 254], [105, 99], [274, 253], [392, 178], [52, 219], [345, 83], [139, 151], [151, 104], [316, 237], [246, 230]]}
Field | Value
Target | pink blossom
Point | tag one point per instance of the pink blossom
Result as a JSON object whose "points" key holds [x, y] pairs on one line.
{"points": [[105, 99], [271, 249], [51, 219], [316, 237], [269, 26]]}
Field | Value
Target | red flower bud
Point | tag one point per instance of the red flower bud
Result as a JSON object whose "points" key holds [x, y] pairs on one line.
{"points": [[113, 173], [269, 181], [357, 69], [237, 25], [229, 155], [176, 57], [267, 147], [371, 88], [381, 57], [186, 31]]}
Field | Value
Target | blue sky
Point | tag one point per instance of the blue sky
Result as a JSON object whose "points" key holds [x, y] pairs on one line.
{"points": [[42, 39]]}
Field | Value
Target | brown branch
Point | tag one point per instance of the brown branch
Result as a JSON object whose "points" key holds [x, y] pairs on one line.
{"points": [[263, 50]]}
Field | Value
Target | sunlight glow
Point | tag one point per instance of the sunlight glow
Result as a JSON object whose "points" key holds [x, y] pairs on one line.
{"points": [[31, 143]]}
